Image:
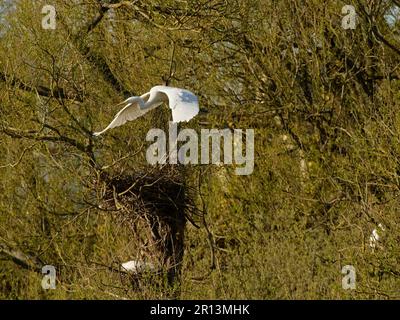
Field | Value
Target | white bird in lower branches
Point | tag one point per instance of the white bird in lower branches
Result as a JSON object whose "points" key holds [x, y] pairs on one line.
{"points": [[137, 267], [183, 103], [375, 238]]}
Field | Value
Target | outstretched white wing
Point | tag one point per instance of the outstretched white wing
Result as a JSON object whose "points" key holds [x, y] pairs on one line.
{"points": [[132, 110], [183, 103]]}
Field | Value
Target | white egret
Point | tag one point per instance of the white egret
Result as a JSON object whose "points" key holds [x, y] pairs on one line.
{"points": [[183, 103], [137, 266], [375, 238]]}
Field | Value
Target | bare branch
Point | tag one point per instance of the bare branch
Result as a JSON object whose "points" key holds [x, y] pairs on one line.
{"points": [[24, 260], [33, 135], [41, 90], [97, 61]]}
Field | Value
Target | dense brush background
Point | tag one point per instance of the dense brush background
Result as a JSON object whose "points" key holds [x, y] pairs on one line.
{"points": [[324, 103]]}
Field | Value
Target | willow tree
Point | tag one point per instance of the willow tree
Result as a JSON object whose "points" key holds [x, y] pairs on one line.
{"points": [[322, 97], [88, 204]]}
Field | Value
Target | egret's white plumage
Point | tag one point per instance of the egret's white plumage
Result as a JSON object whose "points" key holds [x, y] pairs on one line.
{"points": [[135, 266], [183, 103], [375, 238]]}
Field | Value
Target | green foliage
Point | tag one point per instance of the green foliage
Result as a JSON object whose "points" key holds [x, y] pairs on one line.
{"points": [[323, 102]]}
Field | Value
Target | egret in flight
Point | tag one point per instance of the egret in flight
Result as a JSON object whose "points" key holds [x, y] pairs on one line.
{"points": [[183, 103]]}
